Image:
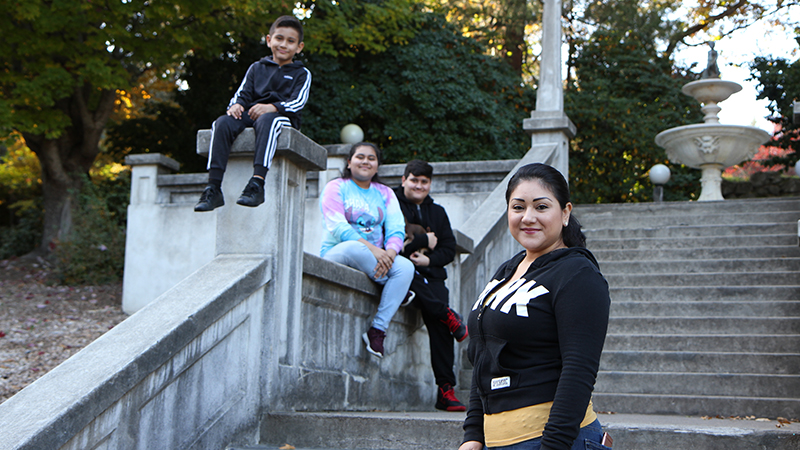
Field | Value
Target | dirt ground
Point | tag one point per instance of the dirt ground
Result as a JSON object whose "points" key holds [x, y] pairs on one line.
{"points": [[43, 323]]}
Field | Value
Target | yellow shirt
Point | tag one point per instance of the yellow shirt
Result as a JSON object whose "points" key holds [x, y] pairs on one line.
{"points": [[523, 424]]}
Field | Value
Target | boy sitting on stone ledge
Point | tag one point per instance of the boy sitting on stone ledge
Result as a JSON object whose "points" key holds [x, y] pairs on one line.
{"points": [[271, 96]]}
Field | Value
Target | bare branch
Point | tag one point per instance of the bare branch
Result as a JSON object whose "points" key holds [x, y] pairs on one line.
{"points": [[679, 37]]}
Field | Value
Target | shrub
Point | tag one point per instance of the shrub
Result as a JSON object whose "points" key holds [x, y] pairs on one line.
{"points": [[95, 251]]}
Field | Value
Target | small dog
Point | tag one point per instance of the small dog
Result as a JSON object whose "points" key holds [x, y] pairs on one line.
{"points": [[412, 231]]}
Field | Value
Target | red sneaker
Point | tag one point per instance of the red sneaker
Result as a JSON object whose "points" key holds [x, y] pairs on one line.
{"points": [[446, 399], [456, 325]]}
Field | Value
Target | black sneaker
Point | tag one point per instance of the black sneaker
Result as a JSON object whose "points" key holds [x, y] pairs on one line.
{"points": [[374, 340], [210, 199], [253, 194], [456, 325], [446, 399]]}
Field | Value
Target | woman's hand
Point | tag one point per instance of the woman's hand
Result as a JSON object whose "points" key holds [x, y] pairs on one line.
{"points": [[471, 445], [385, 259]]}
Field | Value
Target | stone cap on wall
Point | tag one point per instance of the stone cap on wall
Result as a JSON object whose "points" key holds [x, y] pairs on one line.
{"points": [[464, 243], [292, 144], [148, 159]]}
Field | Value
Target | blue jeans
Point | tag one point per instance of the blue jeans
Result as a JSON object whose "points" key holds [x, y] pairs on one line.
{"points": [[395, 283], [588, 438]]}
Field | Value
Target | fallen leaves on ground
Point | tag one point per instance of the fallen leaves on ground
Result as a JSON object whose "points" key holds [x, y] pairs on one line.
{"points": [[43, 323]]}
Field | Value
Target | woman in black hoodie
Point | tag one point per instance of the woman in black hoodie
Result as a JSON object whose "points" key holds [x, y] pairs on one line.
{"points": [[537, 329]]}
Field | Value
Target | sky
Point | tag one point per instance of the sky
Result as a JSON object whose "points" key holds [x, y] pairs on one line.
{"points": [[734, 54]]}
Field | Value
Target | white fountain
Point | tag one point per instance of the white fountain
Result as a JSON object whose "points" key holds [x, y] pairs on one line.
{"points": [[711, 146]]}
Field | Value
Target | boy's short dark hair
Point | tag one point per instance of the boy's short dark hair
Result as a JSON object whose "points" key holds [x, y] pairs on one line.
{"points": [[287, 22], [419, 168]]}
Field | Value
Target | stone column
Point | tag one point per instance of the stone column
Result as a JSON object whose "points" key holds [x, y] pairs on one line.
{"points": [[549, 127]]}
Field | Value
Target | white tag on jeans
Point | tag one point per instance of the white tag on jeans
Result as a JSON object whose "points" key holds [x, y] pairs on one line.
{"points": [[500, 383]]}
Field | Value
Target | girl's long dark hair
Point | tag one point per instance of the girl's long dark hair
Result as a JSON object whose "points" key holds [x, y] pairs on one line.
{"points": [[347, 173], [553, 180]]}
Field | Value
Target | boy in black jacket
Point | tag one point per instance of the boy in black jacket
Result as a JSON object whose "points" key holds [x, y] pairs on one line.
{"points": [[271, 96], [431, 294]]}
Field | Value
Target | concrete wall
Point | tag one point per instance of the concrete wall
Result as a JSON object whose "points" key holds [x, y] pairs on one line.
{"points": [[184, 372], [762, 184]]}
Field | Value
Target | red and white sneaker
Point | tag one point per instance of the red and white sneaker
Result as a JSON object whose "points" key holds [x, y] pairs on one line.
{"points": [[456, 325], [446, 399]]}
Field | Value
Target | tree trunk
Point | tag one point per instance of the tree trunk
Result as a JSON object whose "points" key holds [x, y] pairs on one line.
{"points": [[66, 159], [516, 16]]}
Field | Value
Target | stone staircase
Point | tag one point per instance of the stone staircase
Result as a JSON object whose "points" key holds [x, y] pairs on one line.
{"points": [[705, 315], [705, 321]]}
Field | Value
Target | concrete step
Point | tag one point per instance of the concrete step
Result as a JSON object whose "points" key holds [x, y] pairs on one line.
{"points": [[629, 221], [671, 253], [680, 293], [698, 362], [700, 384], [434, 431], [753, 206], [658, 432], [597, 243], [704, 325], [746, 229], [364, 430], [699, 405], [718, 308], [758, 343], [788, 278], [708, 266]]}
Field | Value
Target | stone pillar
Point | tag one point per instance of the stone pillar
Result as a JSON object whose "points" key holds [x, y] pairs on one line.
{"points": [[275, 230], [165, 242], [549, 127]]}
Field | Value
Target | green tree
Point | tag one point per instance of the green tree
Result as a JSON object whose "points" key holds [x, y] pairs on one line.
{"points": [[625, 94], [63, 63], [439, 97], [779, 82], [331, 29], [503, 26]]}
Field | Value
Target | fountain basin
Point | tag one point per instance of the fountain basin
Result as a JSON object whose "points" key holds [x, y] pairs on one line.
{"points": [[711, 90], [702, 144]]}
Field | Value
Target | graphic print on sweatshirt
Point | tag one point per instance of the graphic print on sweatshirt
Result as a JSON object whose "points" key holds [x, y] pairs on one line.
{"points": [[519, 294], [365, 219]]}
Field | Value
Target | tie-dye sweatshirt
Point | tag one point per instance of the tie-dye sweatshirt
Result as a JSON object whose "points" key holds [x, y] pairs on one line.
{"points": [[350, 212]]}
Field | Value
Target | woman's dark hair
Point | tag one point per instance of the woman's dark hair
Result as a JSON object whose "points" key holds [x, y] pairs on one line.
{"points": [[347, 173], [555, 182]]}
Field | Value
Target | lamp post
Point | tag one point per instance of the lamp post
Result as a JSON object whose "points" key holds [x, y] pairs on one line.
{"points": [[659, 175]]}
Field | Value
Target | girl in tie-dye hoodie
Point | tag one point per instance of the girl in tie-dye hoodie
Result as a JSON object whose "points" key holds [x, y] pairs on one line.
{"points": [[364, 229]]}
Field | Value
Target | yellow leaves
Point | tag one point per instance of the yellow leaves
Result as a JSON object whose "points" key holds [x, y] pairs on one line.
{"points": [[19, 168]]}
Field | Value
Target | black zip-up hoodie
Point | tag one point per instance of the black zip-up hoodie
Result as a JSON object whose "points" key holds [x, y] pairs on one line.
{"points": [[435, 218], [538, 341], [286, 87]]}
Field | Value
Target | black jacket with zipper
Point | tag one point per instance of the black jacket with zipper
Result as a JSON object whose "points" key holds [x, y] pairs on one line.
{"points": [[434, 218], [287, 87], [539, 340]]}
